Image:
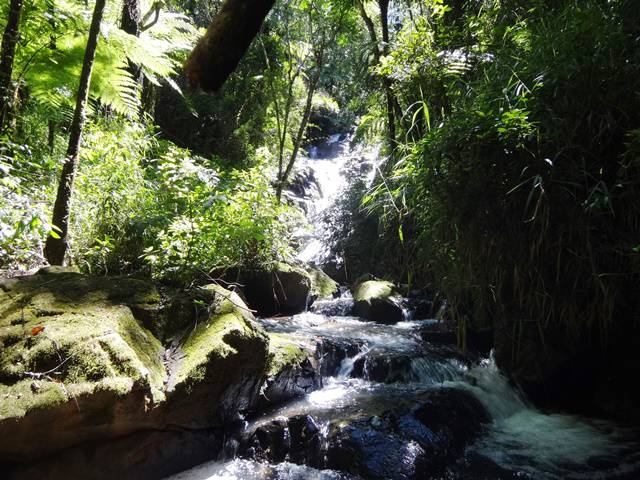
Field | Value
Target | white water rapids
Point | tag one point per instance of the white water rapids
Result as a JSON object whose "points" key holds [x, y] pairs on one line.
{"points": [[520, 441]]}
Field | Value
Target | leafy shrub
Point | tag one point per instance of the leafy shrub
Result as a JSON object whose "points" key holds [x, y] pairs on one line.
{"points": [[205, 218]]}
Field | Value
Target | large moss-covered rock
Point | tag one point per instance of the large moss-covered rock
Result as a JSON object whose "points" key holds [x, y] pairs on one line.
{"points": [[220, 364], [378, 301], [73, 355], [284, 288], [78, 368]]}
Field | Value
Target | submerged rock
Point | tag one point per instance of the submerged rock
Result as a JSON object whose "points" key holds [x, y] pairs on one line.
{"points": [[408, 445], [378, 301]]}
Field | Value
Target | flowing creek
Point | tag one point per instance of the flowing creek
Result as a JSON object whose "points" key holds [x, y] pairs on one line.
{"points": [[370, 408]]}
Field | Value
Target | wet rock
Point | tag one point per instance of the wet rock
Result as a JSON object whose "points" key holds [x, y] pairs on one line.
{"points": [[337, 307], [421, 308], [378, 301], [269, 443], [331, 352], [296, 439], [292, 371], [384, 367], [374, 452], [456, 418], [74, 356], [306, 441], [301, 189], [401, 445], [303, 183], [284, 289]]}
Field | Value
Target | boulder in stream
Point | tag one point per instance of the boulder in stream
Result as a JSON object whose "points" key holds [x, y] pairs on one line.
{"points": [[378, 301], [86, 389], [398, 445], [285, 288], [282, 289], [292, 370]]}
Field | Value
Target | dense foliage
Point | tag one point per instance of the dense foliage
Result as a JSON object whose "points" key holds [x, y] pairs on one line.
{"points": [[511, 130], [514, 186]]}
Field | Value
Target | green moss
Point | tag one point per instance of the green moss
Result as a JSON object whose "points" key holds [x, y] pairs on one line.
{"points": [[229, 325], [284, 351], [370, 289], [222, 301], [88, 340], [322, 285], [205, 341], [29, 395]]}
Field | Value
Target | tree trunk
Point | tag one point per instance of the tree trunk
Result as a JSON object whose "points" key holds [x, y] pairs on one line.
{"points": [[297, 141], [384, 23], [56, 246], [227, 39], [7, 54], [149, 98], [390, 99], [51, 136], [130, 20]]}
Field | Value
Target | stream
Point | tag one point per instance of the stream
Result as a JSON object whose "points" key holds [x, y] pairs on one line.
{"points": [[393, 405]]}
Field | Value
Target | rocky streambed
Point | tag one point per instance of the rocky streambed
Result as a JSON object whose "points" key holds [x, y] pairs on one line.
{"points": [[111, 378], [386, 404]]}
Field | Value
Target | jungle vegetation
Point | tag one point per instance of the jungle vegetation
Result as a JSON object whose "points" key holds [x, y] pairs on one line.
{"points": [[511, 134]]}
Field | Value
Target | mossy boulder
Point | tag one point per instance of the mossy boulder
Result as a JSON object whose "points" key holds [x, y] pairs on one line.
{"points": [[281, 289], [378, 301], [292, 370], [78, 367], [322, 285], [74, 357], [220, 365]]}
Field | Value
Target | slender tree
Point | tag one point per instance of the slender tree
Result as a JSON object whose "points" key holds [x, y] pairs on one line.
{"points": [[57, 241], [7, 54], [393, 107], [321, 33]]}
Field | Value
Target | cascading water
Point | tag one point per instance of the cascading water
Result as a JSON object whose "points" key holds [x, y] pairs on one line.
{"points": [[377, 383], [330, 165]]}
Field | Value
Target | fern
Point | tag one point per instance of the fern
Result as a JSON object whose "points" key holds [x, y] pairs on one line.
{"points": [[51, 54]]}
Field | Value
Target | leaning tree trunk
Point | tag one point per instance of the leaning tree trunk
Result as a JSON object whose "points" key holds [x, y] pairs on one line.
{"points": [[130, 20], [227, 39], [7, 54], [391, 101], [56, 246]]}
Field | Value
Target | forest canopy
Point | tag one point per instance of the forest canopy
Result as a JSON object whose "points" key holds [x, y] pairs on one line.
{"points": [[509, 131]]}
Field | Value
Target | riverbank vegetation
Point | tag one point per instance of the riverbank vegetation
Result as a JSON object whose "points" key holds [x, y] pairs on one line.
{"points": [[510, 133], [513, 182]]}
